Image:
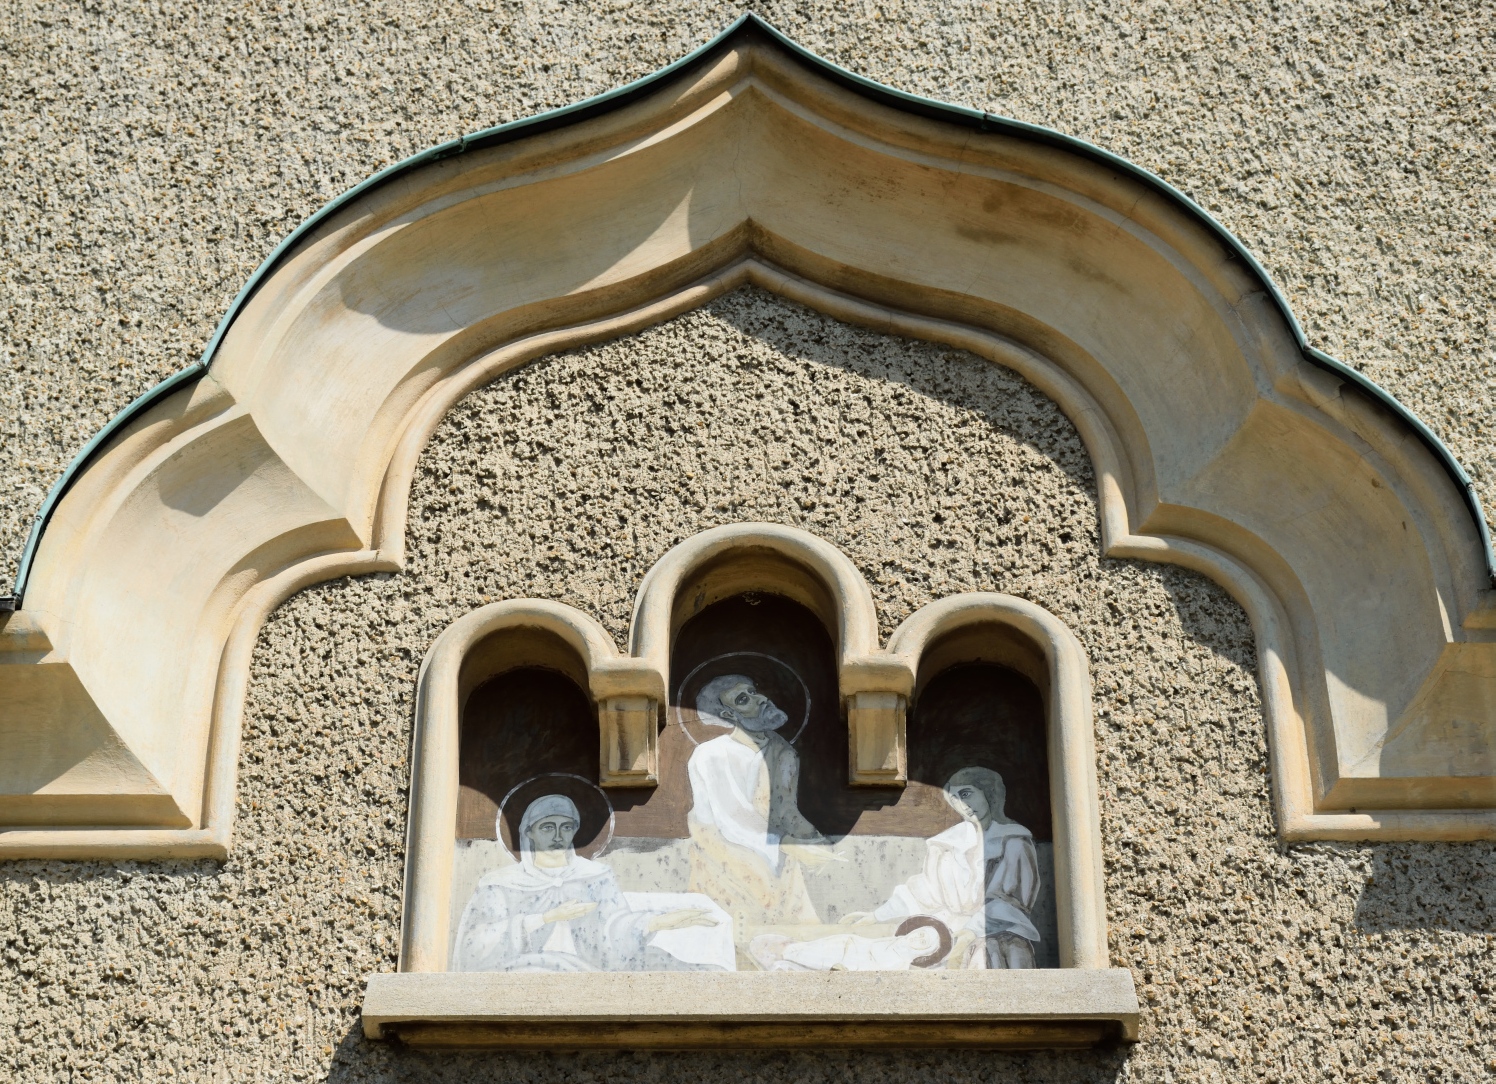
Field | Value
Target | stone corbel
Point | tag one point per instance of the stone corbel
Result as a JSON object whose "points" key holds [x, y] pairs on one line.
{"points": [[630, 696], [876, 692]]}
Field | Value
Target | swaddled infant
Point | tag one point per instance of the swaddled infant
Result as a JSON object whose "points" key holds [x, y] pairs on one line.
{"points": [[845, 952]]}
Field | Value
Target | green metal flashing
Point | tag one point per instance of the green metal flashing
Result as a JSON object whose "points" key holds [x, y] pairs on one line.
{"points": [[622, 96]]}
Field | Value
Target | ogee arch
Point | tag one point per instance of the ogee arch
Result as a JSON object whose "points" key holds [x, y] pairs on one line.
{"points": [[1220, 440]]}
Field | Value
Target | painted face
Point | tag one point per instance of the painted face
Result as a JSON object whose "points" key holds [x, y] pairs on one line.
{"points": [[752, 709], [553, 833], [922, 941], [970, 799]]}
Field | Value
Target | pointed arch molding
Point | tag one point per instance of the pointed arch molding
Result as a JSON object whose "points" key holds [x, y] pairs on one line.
{"points": [[1220, 441]]}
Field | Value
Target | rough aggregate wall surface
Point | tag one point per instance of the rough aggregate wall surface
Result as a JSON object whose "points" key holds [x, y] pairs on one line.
{"points": [[936, 472], [154, 153]]}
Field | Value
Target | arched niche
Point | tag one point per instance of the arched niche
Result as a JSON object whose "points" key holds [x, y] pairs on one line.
{"points": [[1014, 633], [756, 641], [519, 687], [759, 600], [1221, 441], [627, 695], [730, 560]]}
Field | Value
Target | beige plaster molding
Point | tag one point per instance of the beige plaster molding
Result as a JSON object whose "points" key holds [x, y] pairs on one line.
{"points": [[1216, 444]]}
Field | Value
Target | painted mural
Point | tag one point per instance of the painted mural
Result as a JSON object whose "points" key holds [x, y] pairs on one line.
{"points": [[753, 853]]}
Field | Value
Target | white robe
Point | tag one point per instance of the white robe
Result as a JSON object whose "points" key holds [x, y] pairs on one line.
{"points": [[985, 882], [852, 952], [503, 926], [748, 795], [743, 808]]}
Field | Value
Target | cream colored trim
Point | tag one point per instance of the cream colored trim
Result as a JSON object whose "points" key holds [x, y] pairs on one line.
{"points": [[212, 840], [657, 611], [653, 1010], [1216, 445]]}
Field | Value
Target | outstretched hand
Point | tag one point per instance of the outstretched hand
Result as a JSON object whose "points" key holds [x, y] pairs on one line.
{"points": [[858, 918], [568, 911], [679, 920]]}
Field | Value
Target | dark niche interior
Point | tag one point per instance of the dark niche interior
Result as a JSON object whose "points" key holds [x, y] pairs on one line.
{"points": [[525, 733], [786, 651], [532, 731], [990, 716]]}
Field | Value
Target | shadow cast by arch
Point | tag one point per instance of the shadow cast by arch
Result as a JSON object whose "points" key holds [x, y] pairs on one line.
{"points": [[964, 380], [1445, 887]]}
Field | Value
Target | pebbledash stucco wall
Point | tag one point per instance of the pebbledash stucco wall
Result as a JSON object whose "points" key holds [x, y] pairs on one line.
{"points": [[936, 472], [154, 154]]}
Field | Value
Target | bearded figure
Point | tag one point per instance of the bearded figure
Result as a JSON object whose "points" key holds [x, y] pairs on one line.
{"points": [[749, 839]]}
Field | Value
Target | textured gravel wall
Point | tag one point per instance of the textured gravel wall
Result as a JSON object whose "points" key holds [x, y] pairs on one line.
{"points": [[936, 472], [154, 153]]}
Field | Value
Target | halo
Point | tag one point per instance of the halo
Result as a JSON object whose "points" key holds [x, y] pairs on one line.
{"points": [[678, 714], [572, 786], [942, 950]]}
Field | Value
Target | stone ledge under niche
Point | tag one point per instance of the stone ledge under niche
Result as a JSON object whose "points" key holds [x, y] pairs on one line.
{"points": [[1014, 1010]]}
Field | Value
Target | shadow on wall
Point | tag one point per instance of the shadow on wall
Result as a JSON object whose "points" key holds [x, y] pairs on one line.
{"points": [[1215, 621], [992, 392], [958, 384], [1429, 886], [359, 1060]]}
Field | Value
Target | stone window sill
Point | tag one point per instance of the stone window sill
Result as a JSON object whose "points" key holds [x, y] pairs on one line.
{"points": [[1068, 1007]]}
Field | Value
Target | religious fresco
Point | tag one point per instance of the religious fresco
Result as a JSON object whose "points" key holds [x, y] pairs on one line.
{"points": [[555, 910], [753, 853]]}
